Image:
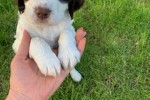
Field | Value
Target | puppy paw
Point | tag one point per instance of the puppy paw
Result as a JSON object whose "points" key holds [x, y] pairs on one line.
{"points": [[75, 75], [69, 57], [49, 66], [46, 60]]}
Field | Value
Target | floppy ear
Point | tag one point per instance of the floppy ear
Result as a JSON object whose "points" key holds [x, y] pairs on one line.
{"points": [[75, 5], [20, 4]]}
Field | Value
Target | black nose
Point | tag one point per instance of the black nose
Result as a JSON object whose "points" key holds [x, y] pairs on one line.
{"points": [[42, 13]]}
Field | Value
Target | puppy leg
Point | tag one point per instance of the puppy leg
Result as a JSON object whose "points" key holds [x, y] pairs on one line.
{"points": [[75, 75], [68, 53], [46, 60]]}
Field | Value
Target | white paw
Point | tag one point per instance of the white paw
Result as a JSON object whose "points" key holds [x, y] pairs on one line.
{"points": [[75, 75], [69, 57], [46, 60], [49, 66]]}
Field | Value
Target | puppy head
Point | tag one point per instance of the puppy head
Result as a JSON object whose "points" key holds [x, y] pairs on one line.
{"points": [[48, 11]]}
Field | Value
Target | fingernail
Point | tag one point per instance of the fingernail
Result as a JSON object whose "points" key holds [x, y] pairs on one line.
{"points": [[81, 28], [24, 31], [84, 33]]}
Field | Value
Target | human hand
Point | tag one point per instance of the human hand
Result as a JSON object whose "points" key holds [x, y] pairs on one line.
{"points": [[27, 82]]}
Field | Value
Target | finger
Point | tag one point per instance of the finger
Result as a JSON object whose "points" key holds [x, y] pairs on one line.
{"points": [[80, 34], [23, 51], [81, 45]]}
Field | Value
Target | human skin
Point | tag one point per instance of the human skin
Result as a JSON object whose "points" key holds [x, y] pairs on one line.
{"points": [[27, 82]]}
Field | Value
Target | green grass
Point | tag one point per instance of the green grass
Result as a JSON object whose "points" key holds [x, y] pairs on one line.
{"points": [[116, 62]]}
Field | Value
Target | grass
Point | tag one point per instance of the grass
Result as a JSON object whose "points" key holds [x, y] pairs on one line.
{"points": [[116, 62]]}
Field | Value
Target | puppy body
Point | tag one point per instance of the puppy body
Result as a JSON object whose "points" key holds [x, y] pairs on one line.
{"points": [[50, 34]]}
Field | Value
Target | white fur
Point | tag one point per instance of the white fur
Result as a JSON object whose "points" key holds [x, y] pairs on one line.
{"points": [[76, 76], [47, 34]]}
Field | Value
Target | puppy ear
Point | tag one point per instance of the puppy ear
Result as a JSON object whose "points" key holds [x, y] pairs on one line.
{"points": [[75, 5], [21, 5]]}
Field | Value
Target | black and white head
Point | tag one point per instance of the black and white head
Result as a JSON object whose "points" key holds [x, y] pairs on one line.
{"points": [[48, 11]]}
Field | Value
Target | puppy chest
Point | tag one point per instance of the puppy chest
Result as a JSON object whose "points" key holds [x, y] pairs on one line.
{"points": [[51, 37], [52, 41]]}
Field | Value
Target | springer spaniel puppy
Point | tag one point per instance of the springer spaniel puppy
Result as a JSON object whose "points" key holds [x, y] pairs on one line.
{"points": [[49, 23]]}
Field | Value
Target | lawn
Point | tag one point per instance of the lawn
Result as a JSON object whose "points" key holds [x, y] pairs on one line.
{"points": [[116, 61]]}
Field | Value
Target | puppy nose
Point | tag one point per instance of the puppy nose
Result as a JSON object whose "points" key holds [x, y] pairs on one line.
{"points": [[42, 13]]}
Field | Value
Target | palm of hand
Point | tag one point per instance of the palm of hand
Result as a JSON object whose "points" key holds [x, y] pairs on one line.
{"points": [[26, 77]]}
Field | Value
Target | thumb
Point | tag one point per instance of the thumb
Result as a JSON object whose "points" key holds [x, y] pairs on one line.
{"points": [[23, 50]]}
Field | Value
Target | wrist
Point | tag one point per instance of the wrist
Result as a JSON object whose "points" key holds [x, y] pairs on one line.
{"points": [[14, 95]]}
